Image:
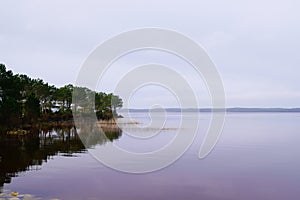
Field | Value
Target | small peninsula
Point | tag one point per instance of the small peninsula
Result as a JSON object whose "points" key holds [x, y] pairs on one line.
{"points": [[26, 102]]}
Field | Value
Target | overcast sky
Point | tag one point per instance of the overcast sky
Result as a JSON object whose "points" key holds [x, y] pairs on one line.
{"points": [[255, 45]]}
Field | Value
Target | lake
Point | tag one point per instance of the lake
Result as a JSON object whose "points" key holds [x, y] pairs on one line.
{"points": [[256, 157]]}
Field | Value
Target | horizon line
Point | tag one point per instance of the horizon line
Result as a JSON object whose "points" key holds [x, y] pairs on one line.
{"points": [[228, 109]]}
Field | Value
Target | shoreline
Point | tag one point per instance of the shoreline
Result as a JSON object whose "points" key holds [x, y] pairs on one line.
{"points": [[106, 125]]}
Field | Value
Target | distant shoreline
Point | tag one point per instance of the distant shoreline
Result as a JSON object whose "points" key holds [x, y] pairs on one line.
{"points": [[229, 110]]}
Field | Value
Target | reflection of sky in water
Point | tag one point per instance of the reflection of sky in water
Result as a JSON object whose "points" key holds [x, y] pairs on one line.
{"points": [[257, 157]]}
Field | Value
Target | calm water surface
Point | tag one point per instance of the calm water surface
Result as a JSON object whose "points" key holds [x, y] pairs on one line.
{"points": [[257, 157]]}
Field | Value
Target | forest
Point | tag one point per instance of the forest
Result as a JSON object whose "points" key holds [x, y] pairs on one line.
{"points": [[25, 101]]}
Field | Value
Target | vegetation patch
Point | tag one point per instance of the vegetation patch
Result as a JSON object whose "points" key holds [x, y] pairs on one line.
{"points": [[27, 102]]}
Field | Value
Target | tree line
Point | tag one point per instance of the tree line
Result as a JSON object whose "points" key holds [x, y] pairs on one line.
{"points": [[27, 101]]}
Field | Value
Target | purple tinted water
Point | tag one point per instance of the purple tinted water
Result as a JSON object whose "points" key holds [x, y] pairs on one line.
{"points": [[257, 157]]}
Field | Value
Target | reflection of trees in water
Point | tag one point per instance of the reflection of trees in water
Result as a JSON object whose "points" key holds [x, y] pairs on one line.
{"points": [[91, 134], [22, 153]]}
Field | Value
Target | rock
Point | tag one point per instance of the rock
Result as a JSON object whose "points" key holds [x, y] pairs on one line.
{"points": [[14, 194]]}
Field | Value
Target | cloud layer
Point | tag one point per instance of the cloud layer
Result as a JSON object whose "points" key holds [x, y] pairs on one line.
{"points": [[254, 44]]}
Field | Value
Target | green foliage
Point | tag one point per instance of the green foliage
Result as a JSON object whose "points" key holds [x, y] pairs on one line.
{"points": [[32, 109], [106, 105], [26, 101]]}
